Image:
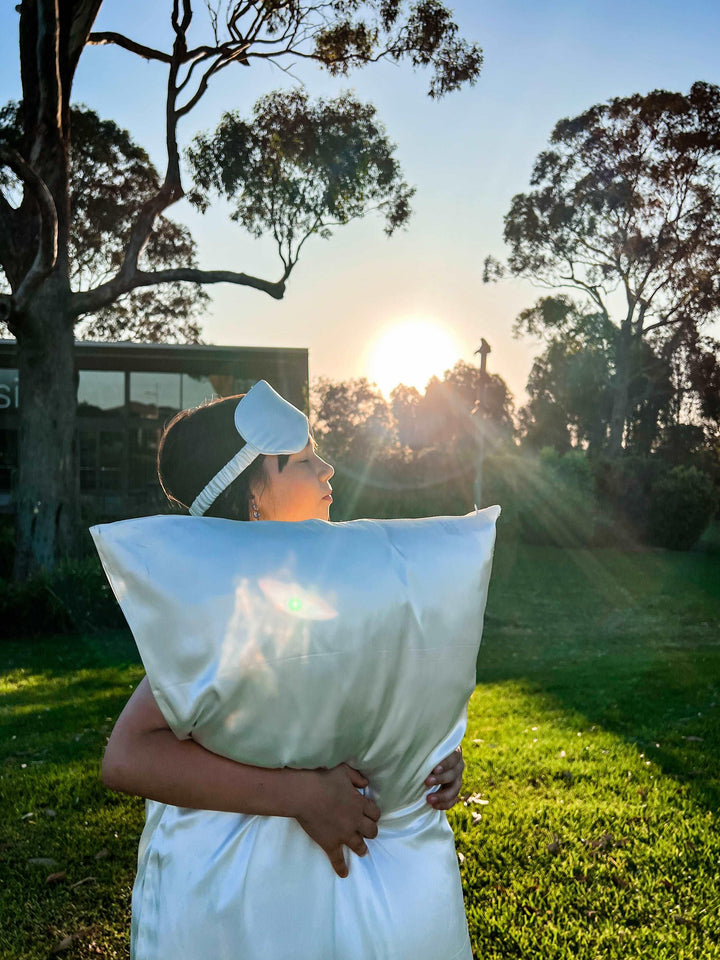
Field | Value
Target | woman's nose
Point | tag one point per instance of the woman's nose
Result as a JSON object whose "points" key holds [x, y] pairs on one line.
{"points": [[328, 470]]}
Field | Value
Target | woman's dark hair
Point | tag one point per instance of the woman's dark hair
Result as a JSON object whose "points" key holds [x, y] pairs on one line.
{"points": [[197, 443]]}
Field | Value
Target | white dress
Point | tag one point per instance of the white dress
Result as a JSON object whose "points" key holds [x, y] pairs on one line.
{"points": [[305, 645]]}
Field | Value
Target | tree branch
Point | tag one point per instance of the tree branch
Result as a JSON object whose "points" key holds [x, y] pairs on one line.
{"points": [[91, 300], [46, 254], [7, 245], [109, 36]]}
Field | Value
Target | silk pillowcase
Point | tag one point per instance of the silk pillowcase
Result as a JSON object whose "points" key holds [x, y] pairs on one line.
{"points": [[309, 644]]}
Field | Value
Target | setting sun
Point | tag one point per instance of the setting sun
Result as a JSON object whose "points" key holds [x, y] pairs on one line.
{"points": [[411, 352]]}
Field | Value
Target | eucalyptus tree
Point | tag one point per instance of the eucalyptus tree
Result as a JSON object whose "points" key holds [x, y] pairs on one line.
{"points": [[41, 308], [625, 208], [110, 178]]}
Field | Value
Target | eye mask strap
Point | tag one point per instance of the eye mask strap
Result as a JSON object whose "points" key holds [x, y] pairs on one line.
{"points": [[269, 425]]}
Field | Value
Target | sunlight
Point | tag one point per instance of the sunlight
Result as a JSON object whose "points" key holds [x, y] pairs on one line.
{"points": [[411, 352]]}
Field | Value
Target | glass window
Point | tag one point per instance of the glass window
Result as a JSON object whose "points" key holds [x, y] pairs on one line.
{"points": [[88, 460], [101, 393], [8, 459], [8, 390], [111, 449], [143, 458], [154, 395], [196, 388]]}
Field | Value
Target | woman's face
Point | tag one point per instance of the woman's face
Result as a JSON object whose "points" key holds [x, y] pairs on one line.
{"points": [[300, 492]]}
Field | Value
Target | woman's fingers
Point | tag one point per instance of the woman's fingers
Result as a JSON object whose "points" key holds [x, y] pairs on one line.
{"points": [[443, 799], [371, 809], [447, 776], [337, 860], [370, 828], [356, 778], [359, 846], [448, 769]]}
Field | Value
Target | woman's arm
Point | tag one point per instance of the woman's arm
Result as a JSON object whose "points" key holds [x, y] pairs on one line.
{"points": [[145, 758]]}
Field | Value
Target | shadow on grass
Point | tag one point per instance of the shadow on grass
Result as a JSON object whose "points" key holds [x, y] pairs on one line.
{"points": [[628, 640]]}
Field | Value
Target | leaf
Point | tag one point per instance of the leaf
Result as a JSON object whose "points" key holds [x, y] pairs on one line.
{"points": [[64, 944], [42, 862], [101, 854], [56, 877], [84, 880], [476, 798]]}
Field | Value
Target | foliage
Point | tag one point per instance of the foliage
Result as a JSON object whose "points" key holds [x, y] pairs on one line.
{"points": [[405, 484], [74, 596], [570, 383], [628, 198], [546, 499], [629, 194], [682, 504], [351, 420], [297, 168], [450, 414], [110, 179], [42, 307]]}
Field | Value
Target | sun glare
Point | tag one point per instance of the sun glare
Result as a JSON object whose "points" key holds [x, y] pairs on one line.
{"points": [[411, 352]]}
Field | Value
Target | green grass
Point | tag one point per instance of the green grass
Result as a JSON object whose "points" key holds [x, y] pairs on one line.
{"points": [[592, 735]]}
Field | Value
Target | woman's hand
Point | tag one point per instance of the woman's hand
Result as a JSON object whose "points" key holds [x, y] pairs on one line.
{"points": [[448, 772], [334, 814]]}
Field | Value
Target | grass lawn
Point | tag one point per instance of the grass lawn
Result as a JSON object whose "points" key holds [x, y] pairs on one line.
{"points": [[590, 823]]}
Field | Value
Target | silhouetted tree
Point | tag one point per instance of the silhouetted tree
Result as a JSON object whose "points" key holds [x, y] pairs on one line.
{"points": [[110, 179], [627, 199], [352, 421], [36, 252]]}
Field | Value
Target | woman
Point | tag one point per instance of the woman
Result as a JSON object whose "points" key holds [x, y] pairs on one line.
{"points": [[144, 756]]}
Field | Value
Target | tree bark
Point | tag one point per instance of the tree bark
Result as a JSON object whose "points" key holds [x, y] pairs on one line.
{"points": [[47, 496], [618, 416]]}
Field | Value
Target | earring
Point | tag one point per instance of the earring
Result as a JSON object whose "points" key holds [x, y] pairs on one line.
{"points": [[255, 511]]}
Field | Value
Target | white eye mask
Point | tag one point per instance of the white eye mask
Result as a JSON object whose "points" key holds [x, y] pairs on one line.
{"points": [[269, 425]]}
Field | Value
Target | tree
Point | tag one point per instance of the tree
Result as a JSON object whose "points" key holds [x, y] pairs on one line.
{"points": [[405, 405], [110, 178], [627, 202], [42, 308], [445, 413], [352, 421]]}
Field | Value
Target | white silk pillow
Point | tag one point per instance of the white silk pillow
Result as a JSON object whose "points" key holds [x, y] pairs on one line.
{"points": [[305, 644], [308, 644]]}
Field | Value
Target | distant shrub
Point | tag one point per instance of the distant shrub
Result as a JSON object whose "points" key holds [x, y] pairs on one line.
{"points": [[681, 505], [406, 485], [548, 499], [623, 488], [29, 609], [75, 596], [81, 588]]}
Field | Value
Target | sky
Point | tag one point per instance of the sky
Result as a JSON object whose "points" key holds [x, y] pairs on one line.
{"points": [[467, 154]]}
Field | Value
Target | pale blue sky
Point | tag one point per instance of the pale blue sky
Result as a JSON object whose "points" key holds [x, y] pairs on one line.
{"points": [[467, 155]]}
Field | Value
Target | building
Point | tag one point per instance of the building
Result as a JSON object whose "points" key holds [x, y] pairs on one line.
{"points": [[126, 394]]}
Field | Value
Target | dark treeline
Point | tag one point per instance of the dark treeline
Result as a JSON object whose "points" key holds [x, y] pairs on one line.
{"points": [[548, 463]]}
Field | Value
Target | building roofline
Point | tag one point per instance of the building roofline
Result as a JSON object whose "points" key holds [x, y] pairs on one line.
{"points": [[181, 347]]}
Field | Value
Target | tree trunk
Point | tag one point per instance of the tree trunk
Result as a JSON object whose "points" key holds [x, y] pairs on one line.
{"points": [[47, 500], [618, 416]]}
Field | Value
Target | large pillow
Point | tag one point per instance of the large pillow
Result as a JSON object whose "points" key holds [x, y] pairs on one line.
{"points": [[308, 644]]}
